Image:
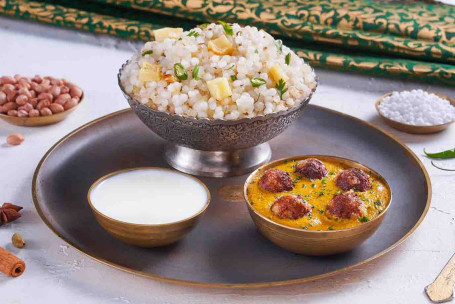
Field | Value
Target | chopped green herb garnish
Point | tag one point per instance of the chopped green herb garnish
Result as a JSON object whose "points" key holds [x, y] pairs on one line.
{"points": [[203, 25], [378, 203], [321, 211], [279, 46], [252, 203], [231, 67], [364, 219], [320, 193], [180, 39], [180, 72], [311, 225], [304, 227], [339, 192], [193, 34], [313, 185], [303, 186], [280, 86], [233, 77], [256, 51], [331, 228], [332, 173], [196, 72], [287, 59], [324, 180], [257, 82], [227, 28], [147, 52]]}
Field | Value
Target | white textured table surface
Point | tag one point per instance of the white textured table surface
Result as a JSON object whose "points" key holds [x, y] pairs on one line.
{"points": [[55, 271]]}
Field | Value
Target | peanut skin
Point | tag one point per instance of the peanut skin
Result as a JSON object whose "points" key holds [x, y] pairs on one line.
{"points": [[45, 112], [15, 139], [70, 104], [56, 108]]}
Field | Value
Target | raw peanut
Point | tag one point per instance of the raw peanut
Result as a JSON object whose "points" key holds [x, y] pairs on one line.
{"points": [[21, 99], [56, 81], [8, 80], [76, 98], [43, 104], [15, 139], [2, 109], [33, 93], [56, 108], [10, 106], [33, 101], [47, 96], [26, 92], [8, 88], [18, 240], [55, 91], [27, 107], [37, 79], [36, 87], [70, 104], [64, 90], [2, 98], [11, 96], [23, 85], [22, 113], [62, 99], [33, 113], [17, 77], [45, 112], [75, 91], [46, 82], [12, 113]]}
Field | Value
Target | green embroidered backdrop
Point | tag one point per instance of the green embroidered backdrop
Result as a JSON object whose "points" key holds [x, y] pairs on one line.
{"points": [[403, 39]]}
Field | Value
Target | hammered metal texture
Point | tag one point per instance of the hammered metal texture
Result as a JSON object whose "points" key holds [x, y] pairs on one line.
{"points": [[215, 135]]}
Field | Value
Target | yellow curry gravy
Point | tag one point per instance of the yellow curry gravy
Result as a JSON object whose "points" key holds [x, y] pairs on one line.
{"points": [[318, 193]]}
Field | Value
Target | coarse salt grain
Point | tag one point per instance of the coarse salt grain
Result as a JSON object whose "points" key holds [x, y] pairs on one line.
{"points": [[418, 108]]}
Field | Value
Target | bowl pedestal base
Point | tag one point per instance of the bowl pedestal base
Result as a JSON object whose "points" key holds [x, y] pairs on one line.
{"points": [[217, 163]]}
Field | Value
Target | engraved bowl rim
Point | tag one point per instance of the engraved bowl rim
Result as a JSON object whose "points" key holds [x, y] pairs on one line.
{"points": [[214, 122]]}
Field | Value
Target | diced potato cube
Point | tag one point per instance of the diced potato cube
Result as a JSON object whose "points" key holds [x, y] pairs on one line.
{"points": [[221, 46], [150, 72], [219, 88], [168, 32], [277, 73]]}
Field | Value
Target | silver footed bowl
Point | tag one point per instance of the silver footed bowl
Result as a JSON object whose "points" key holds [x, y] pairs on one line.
{"points": [[215, 148]]}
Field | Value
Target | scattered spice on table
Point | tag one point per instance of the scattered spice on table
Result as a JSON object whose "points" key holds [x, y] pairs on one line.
{"points": [[443, 154], [9, 212], [11, 265], [446, 154], [18, 240], [15, 139]]}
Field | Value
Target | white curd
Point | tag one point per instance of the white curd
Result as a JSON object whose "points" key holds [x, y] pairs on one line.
{"points": [[149, 196]]}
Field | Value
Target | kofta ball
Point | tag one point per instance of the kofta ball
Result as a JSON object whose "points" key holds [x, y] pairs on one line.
{"points": [[347, 205], [311, 168], [353, 178], [290, 207], [276, 180]]}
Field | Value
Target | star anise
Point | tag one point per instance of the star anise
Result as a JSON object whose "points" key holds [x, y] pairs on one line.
{"points": [[9, 212]]}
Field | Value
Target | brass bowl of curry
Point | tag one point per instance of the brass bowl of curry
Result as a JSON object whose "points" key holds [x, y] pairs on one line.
{"points": [[317, 233]]}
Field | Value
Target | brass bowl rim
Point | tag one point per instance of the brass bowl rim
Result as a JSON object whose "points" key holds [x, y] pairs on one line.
{"points": [[103, 178], [416, 127], [348, 161], [212, 122], [66, 112]]}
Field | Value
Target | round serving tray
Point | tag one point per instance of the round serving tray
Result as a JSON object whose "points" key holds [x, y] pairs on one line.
{"points": [[225, 249]]}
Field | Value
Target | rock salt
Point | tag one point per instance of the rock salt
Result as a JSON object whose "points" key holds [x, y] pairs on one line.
{"points": [[417, 108]]}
